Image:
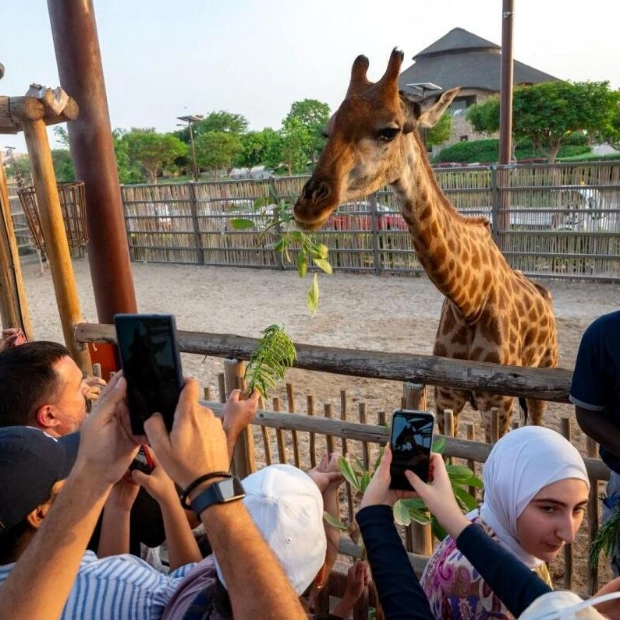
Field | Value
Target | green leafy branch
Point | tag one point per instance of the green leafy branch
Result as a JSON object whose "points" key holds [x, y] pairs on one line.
{"points": [[607, 539], [274, 353], [277, 217]]}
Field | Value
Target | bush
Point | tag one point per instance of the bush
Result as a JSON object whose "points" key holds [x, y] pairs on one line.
{"points": [[487, 151]]}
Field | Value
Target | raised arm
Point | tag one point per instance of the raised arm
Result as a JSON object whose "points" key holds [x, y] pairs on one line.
{"points": [[50, 563], [182, 546], [197, 447]]}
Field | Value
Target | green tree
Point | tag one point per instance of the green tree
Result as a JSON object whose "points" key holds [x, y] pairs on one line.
{"points": [[306, 120], [224, 122], [152, 151], [254, 145], [441, 132], [216, 150], [63, 165], [295, 141], [548, 113]]}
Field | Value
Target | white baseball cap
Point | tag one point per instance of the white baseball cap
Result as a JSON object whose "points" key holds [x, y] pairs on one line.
{"points": [[287, 507], [564, 605]]}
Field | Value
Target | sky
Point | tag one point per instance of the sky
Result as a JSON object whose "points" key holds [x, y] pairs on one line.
{"points": [[164, 59]]}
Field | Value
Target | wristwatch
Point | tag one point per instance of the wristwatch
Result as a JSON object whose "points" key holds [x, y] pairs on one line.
{"points": [[221, 492]]}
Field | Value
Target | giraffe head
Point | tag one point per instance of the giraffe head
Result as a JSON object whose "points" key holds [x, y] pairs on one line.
{"points": [[369, 142]]}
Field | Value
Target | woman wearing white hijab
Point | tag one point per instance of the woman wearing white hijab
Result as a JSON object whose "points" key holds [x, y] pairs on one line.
{"points": [[536, 490]]}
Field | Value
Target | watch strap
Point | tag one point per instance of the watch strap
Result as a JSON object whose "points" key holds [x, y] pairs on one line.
{"points": [[221, 492]]}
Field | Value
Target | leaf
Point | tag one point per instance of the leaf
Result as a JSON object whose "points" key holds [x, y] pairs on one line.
{"points": [[333, 522], [365, 481], [459, 474], [402, 516], [302, 264], [312, 299], [439, 445], [349, 474], [467, 500], [241, 223], [324, 265]]}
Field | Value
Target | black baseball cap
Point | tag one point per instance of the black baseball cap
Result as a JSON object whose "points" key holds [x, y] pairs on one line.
{"points": [[31, 462]]}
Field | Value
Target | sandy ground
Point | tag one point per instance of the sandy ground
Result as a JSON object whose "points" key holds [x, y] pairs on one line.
{"points": [[397, 314]]}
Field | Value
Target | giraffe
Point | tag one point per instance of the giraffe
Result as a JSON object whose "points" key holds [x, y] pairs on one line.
{"points": [[491, 312]]}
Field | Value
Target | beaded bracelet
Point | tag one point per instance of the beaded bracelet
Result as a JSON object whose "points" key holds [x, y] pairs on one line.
{"points": [[190, 487]]}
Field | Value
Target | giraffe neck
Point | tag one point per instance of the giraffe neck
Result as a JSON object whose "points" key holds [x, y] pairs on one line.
{"points": [[457, 253]]}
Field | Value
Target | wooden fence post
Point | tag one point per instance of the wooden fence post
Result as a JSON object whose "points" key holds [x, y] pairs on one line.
{"points": [[419, 538], [193, 205], [243, 457]]}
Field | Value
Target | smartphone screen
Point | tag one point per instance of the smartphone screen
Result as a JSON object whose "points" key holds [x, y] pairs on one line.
{"points": [[149, 357], [411, 440]]}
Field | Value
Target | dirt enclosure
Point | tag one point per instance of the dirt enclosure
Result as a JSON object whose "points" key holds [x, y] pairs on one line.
{"points": [[391, 314]]}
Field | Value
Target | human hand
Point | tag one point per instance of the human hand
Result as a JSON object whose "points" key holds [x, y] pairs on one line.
{"points": [[326, 474], [196, 444], [95, 385], [378, 490], [158, 483], [123, 494], [106, 445], [238, 412], [11, 337], [439, 496], [358, 577]]}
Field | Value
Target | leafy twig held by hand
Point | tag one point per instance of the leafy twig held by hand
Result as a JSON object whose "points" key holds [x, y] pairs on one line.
{"points": [[274, 353]]}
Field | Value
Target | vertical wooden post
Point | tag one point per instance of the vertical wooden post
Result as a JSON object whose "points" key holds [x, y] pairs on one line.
{"points": [[418, 536], [243, 457], [312, 438], [365, 450], [290, 397], [329, 439], [470, 434], [448, 424], [568, 549], [593, 516], [53, 229], [280, 434], [13, 302]]}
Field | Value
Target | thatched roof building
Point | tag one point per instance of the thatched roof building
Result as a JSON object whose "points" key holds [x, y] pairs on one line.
{"points": [[461, 58]]}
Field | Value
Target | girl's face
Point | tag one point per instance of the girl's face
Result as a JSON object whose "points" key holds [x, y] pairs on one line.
{"points": [[552, 518]]}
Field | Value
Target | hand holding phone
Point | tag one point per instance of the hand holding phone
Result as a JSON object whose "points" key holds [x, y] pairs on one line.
{"points": [[411, 440], [149, 357]]}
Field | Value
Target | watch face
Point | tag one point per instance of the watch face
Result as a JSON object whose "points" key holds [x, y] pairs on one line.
{"points": [[229, 489]]}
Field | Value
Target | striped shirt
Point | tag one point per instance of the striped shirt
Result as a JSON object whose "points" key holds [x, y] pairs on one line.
{"points": [[121, 587]]}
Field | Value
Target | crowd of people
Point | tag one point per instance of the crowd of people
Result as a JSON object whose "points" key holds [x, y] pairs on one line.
{"points": [[83, 528]]}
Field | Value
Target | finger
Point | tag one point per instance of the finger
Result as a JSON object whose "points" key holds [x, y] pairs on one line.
{"points": [[234, 396], [254, 396], [140, 477], [157, 434], [415, 481], [110, 396], [187, 400]]}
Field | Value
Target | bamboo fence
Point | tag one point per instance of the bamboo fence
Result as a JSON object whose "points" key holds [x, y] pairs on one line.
{"points": [[560, 220]]}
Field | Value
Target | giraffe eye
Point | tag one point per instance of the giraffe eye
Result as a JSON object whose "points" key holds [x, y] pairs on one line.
{"points": [[387, 134]]}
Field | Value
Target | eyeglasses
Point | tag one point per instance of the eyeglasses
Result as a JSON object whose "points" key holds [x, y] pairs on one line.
{"points": [[570, 612]]}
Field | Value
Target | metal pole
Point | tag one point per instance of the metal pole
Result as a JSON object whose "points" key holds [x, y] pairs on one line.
{"points": [[191, 139], [74, 30], [505, 114], [505, 125]]}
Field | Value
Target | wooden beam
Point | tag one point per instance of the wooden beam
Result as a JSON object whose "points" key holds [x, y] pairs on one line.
{"points": [[550, 384], [55, 236]]}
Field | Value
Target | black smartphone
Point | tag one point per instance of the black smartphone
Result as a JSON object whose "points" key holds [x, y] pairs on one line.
{"points": [[149, 357], [411, 439]]}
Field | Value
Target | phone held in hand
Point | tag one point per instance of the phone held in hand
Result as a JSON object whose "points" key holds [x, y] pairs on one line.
{"points": [[149, 356], [411, 439]]}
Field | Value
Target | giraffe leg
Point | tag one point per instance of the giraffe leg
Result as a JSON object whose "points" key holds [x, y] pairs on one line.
{"points": [[535, 411], [446, 398], [504, 405]]}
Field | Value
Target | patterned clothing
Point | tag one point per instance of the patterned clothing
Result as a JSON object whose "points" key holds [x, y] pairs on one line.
{"points": [[118, 587], [456, 590]]}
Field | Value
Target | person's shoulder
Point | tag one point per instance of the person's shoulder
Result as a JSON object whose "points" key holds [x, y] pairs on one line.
{"points": [[604, 323]]}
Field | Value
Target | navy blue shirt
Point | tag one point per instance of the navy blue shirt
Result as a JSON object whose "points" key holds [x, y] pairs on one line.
{"points": [[596, 380]]}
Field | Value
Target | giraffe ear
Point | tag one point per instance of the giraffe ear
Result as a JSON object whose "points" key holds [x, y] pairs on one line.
{"points": [[412, 112], [431, 114]]}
